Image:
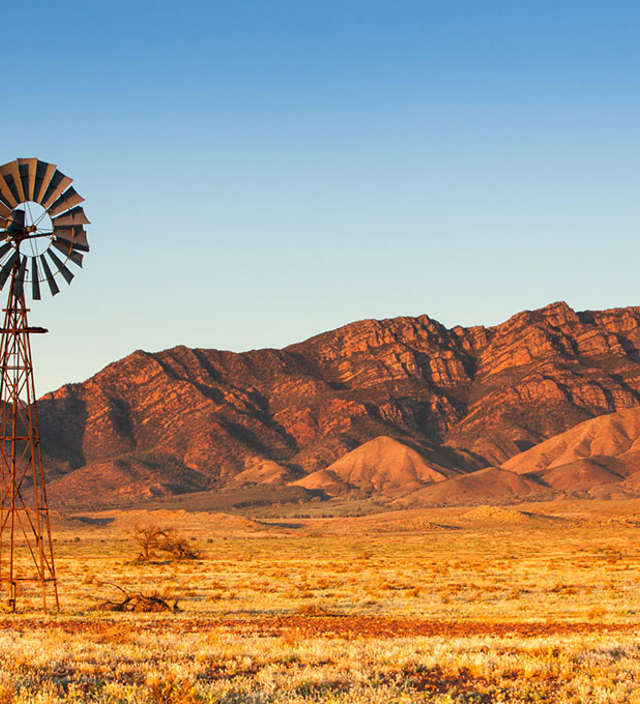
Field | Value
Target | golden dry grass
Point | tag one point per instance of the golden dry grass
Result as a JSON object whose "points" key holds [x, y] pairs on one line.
{"points": [[488, 605]]}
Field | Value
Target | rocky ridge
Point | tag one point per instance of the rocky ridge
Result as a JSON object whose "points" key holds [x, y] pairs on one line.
{"points": [[185, 419]]}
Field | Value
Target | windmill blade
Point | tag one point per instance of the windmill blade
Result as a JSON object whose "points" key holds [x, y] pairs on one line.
{"points": [[18, 282], [5, 212], [6, 269], [9, 197], [59, 182], [15, 174], [76, 258], [11, 174], [75, 216], [29, 167], [67, 249], [67, 200], [44, 173], [4, 223], [53, 286], [68, 276], [5, 248], [6, 197], [35, 280], [76, 235], [23, 170]]}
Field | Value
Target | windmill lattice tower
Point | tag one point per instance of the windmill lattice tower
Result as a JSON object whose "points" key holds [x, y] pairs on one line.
{"points": [[39, 212]]}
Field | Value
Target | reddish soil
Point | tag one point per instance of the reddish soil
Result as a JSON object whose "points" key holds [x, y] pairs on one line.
{"points": [[320, 626]]}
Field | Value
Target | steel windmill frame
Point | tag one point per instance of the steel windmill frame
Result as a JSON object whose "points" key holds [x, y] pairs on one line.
{"points": [[24, 508], [27, 255]]}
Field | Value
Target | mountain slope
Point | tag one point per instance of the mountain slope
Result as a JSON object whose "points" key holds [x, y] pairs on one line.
{"points": [[490, 485], [578, 476], [611, 442], [464, 398], [600, 457], [382, 466]]}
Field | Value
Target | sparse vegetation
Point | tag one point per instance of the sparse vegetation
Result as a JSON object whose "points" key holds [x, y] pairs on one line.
{"points": [[155, 541], [393, 608]]}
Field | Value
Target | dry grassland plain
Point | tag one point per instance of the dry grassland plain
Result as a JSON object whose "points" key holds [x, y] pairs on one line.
{"points": [[538, 603]]}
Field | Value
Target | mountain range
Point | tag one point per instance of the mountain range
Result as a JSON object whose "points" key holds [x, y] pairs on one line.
{"points": [[404, 408]]}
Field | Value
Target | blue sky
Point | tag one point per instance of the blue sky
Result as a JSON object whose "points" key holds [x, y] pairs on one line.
{"points": [[258, 172]]}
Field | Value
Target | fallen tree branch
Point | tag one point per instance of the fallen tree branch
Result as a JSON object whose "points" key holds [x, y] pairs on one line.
{"points": [[137, 602]]}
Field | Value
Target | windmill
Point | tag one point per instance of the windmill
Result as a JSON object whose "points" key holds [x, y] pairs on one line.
{"points": [[41, 231]]}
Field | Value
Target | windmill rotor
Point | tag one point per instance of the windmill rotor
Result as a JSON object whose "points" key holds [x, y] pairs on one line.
{"points": [[41, 226]]}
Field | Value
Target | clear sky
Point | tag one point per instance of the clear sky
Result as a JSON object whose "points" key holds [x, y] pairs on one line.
{"points": [[257, 172]]}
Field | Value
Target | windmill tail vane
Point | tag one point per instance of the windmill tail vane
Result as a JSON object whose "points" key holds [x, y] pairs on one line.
{"points": [[39, 213]]}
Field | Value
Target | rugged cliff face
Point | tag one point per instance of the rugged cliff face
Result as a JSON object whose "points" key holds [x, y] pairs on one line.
{"points": [[185, 419]]}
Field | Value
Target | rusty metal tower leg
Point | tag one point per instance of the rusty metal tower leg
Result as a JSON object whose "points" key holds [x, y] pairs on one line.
{"points": [[26, 548]]}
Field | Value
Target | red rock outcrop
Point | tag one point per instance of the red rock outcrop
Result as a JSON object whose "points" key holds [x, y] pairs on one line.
{"points": [[464, 398]]}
